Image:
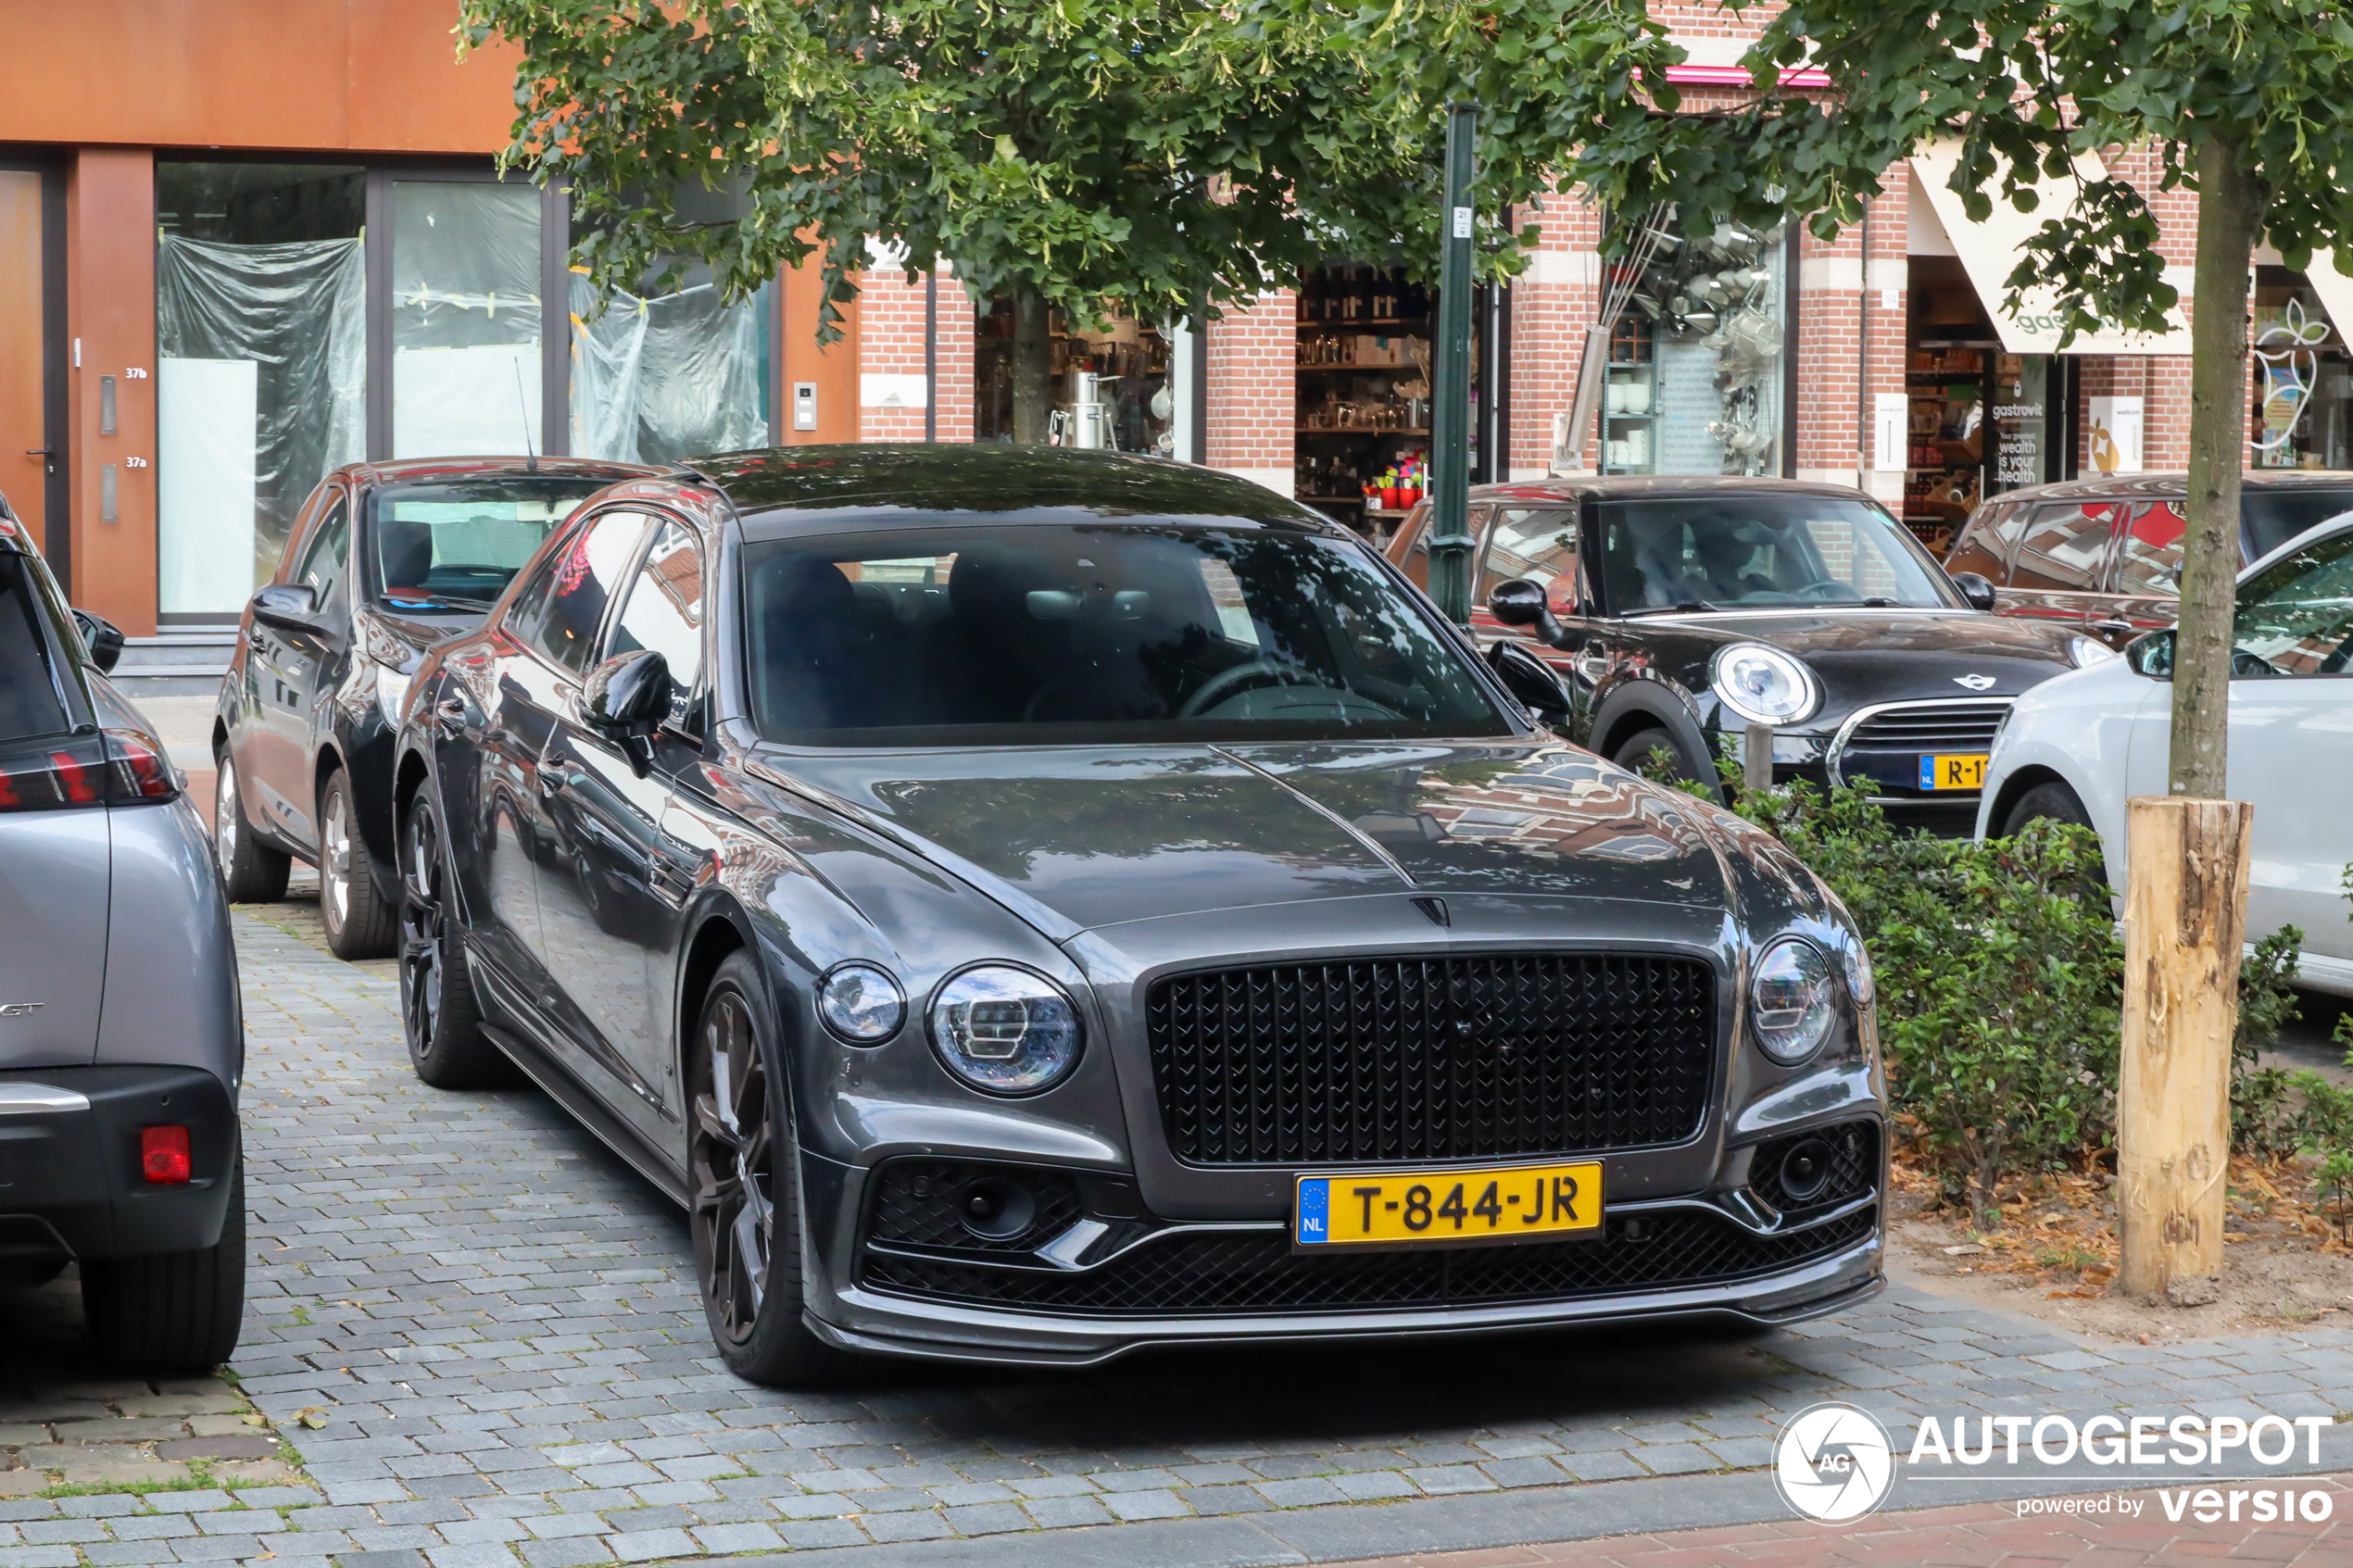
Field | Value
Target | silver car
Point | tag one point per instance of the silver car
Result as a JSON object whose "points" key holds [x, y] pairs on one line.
{"points": [[119, 1142]]}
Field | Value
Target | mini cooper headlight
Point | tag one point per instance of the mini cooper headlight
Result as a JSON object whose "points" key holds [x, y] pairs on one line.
{"points": [[1792, 999], [1005, 1030], [861, 1004], [1764, 685]]}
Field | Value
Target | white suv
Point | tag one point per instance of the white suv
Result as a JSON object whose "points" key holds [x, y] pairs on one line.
{"points": [[2077, 747]]}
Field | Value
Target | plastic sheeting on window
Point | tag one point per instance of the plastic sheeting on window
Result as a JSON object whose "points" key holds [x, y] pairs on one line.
{"points": [[466, 318], [661, 379], [260, 391]]}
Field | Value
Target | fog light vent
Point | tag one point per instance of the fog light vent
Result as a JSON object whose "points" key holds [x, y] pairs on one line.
{"points": [[1807, 1169]]}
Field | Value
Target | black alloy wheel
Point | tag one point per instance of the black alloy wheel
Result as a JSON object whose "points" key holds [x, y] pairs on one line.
{"points": [[746, 1210], [438, 1013]]}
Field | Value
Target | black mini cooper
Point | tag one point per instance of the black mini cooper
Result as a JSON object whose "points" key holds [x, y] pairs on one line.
{"points": [[1031, 904], [1669, 614]]}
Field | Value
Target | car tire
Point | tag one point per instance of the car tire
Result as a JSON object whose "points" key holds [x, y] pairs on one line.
{"points": [[361, 923], [171, 1313], [439, 1015], [1638, 747], [743, 1164], [2049, 799], [251, 872]]}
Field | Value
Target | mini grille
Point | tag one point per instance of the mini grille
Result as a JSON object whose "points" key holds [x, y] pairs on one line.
{"points": [[915, 1203], [1854, 1165], [1195, 1275], [1944, 726], [1460, 1057]]}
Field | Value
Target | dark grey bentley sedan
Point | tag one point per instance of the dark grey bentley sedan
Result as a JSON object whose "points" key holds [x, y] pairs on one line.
{"points": [[1028, 905]]}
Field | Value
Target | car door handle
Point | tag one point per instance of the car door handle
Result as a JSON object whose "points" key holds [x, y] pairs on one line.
{"points": [[2112, 625]]}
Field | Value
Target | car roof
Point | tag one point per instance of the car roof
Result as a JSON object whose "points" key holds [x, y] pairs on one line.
{"points": [[1661, 487], [789, 490], [411, 471], [2167, 485]]}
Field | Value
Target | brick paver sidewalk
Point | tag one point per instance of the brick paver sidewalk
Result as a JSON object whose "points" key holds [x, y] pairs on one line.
{"points": [[1967, 1536]]}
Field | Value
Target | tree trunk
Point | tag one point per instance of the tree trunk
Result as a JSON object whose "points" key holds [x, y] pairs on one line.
{"points": [[2229, 206], [1033, 361]]}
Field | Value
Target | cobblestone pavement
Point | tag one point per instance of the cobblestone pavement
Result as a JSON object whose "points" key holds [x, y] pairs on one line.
{"points": [[498, 1320], [1970, 1536]]}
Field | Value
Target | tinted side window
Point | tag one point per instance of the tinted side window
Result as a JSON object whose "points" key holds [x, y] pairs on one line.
{"points": [[1538, 544], [2062, 548], [663, 610], [1984, 546], [2296, 618], [29, 701], [327, 559], [586, 573], [2151, 549]]}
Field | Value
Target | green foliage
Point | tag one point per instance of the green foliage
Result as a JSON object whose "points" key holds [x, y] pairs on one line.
{"points": [[1998, 982], [2000, 987], [1154, 153], [2261, 1116]]}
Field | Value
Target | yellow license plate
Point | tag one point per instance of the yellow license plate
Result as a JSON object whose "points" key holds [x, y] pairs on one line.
{"points": [[1416, 1207], [1953, 772]]}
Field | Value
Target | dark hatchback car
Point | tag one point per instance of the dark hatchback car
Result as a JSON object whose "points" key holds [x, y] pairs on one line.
{"points": [[383, 559], [1028, 905], [1674, 612], [2101, 554]]}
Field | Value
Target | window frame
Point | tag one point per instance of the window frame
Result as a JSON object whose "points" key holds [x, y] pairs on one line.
{"points": [[659, 518]]}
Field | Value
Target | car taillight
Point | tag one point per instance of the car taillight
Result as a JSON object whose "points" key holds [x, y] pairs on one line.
{"points": [[141, 770], [57, 773], [163, 1154]]}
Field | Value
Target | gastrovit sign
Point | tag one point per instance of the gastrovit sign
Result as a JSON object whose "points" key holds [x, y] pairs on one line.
{"points": [[1833, 1462]]}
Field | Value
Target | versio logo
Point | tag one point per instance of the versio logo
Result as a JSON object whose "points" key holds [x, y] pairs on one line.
{"points": [[1833, 1462]]}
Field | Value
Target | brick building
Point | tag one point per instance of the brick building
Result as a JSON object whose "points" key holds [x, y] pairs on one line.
{"points": [[244, 240]]}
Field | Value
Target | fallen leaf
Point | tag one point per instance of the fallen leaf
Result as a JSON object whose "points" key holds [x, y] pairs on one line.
{"points": [[314, 1418], [1964, 1249]]}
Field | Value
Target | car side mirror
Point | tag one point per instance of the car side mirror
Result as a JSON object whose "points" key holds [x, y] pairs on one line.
{"points": [[1521, 603], [292, 605], [1975, 590], [1532, 681], [2151, 655], [102, 637], [627, 696]]}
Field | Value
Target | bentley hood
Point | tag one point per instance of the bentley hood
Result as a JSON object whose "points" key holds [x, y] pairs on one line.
{"points": [[1099, 836]]}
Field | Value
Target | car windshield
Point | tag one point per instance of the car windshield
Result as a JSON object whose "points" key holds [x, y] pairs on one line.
{"points": [[1724, 552], [2296, 617], [454, 546], [2269, 517], [1138, 630]]}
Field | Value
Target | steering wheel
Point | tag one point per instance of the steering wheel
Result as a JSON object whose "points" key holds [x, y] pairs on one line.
{"points": [[1827, 585], [1225, 682]]}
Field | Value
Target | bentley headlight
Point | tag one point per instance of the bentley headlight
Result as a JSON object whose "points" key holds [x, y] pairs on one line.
{"points": [[861, 1004], [1859, 984], [1792, 999], [1764, 685], [2088, 651], [1005, 1030]]}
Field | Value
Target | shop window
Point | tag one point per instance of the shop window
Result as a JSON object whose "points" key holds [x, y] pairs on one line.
{"points": [[261, 367], [1696, 366], [2302, 376], [1114, 384], [466, 374], [662, 376]]}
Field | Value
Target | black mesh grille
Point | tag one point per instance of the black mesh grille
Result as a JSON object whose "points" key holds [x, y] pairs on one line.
{"points": [[1461, 1057], [1193, 1275], [915, 1203], [1944, 726], [1854, 1166]]}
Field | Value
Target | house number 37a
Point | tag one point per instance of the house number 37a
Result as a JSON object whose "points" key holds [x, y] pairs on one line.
{"points": [[134, 462]]}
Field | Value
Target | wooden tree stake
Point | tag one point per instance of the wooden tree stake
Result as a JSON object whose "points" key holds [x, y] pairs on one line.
{"points": [[2184, 922]]}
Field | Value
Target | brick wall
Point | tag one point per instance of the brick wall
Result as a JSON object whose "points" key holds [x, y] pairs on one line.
{"points": [[1552, 303], [1252, 356], [890, 344]]}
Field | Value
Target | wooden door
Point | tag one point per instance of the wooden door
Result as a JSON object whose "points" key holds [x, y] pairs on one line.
{"points": [[23, 430]]}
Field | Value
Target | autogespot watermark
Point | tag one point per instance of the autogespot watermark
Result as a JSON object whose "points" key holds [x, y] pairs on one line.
{"points": [[1834, 1462]]}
